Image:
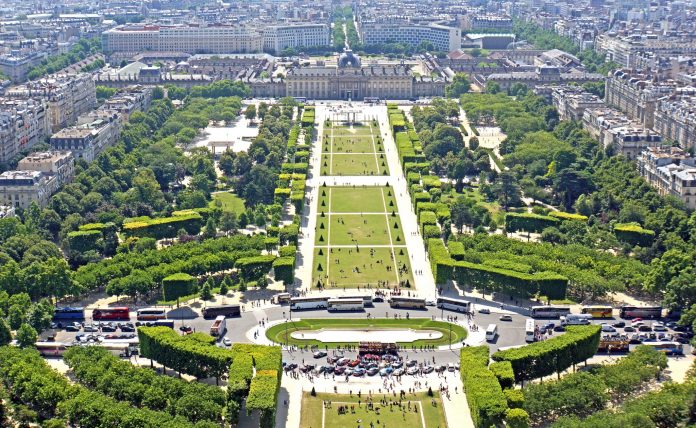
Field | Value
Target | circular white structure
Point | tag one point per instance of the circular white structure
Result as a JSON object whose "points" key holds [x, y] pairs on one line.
{"points": [[388, 335]]}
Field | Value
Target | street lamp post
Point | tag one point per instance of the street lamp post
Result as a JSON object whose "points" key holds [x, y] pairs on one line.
{"points": [[450, 336]]}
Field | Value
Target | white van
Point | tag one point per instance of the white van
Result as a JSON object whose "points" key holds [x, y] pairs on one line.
{"points": [[491, 332]]}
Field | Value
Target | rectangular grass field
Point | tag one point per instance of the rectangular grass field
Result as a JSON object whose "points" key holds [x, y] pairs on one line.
{"points": [[424, 411], [353, 150]]}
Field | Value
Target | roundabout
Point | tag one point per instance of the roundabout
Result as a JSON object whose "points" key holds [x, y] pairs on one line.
{"points": [[332, 333]]}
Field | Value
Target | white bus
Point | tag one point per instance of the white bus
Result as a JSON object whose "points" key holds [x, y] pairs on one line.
{"points": [[491, 332], [576, 319], [151, 314], [549, 311], [219, 327], [529, 331], [281, 298], [367, 300], [299, 303], [343, 305], [451, 304]]}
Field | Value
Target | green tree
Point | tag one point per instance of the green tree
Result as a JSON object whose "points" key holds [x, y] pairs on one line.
{"points": [[206, 292], [460, 85], [228, 221], [5, 338], [225, 286], [26, 336], [250, 112], [210, 230], [508, 190]]}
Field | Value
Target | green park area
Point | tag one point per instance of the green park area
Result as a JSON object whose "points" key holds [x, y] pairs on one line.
{"points": [[414, 411], [359, 249], [277, 333], [353, 150], [228, 201]]}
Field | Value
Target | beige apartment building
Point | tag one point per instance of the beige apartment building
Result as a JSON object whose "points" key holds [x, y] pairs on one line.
{"points": [[39, 176], [671, 171]]}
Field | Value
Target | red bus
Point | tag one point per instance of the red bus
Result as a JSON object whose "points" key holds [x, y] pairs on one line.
{"points": [[108, 314]]}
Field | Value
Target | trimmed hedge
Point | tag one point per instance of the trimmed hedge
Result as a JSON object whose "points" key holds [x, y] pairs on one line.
{"points": [[284, 269], [427, 217], [491, 278], [633, 234], [441, 263], [456, 249], [194, 354], [553, 355], [84, 240], [167, 227], [287, 251], [263, 393], [529, 222], [178, 285], [517, 418], [515, 397], [253, 268], [567, 216], [503, 372], [484, 395], [431, 231]]}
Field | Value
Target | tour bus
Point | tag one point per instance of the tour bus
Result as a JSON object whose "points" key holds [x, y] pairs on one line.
{"points": [[300, 303], [549, 311], [219, 327], [576, 319], [120, 349], [371, 100], [491, 332], [407, 302], [62, 316], [669, 348], [599, 311], [300, 99], [110, 314], [367, 300], [451, 304], [281, 299], [640, 312], [51, 349], [226, 310], [151, 314], [342, 305], [529, 331]]}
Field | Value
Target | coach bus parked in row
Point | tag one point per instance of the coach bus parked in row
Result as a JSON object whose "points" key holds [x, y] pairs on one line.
{"points": [[226, 310], [598, 311], [407, 302], [549, 311], [67, 315], [302, 303], [576, 319], [111, 314], [640, 312], [367, 300], [452, 304], [346, 305], [281, 299], [51, 349], [669, 348], [151, 314]]}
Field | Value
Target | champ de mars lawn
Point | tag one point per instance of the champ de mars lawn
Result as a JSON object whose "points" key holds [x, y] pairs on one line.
{"points": [[414, 411]]}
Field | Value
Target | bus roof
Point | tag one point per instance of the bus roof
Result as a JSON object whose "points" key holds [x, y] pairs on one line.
{"points": [[346, 300]]}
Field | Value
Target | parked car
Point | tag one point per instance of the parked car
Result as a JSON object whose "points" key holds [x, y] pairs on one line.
{"points": [[339, 370], [430, 302], [319, 354], [629, 329], [451, 367], [353, 363], [127, 327], [412, 370], [411, 363], [428, 369], [76, 326], [227, 342], [484, 311], [505, 318], [108, 328], [378, 299], [619, 324], [342, 361], [358, 372], [606, 328], [372, 371], [89, 328], [386, 371], [659, 327], [645, 328], [397, 364], [398, 372], [559, 328]]}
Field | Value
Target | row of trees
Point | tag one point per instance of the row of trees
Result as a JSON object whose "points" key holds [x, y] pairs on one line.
{"points": [[81, 50], [43, 395], [98, 369]]}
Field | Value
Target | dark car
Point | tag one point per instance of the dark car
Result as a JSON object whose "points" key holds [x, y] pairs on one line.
{"points": [[559, 328], [319, 354], [644, 328], [108, 328], [619, 324], [629, 329], [378, 299], [339, 370], [372, 371], [72, 327], [127, 327]]}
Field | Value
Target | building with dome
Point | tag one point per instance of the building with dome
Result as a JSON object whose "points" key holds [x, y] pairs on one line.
{"points": [[350, 79]]}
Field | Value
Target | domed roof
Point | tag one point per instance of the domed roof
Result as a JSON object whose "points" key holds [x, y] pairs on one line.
{"points": [[348, 59]]}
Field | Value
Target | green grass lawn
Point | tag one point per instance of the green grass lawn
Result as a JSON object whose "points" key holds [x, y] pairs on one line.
{"points": [[357, 199], [350, 268], [429, 414], [357, 151], [229, 201], [352, 164], [277, 332], [356, 229]]}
